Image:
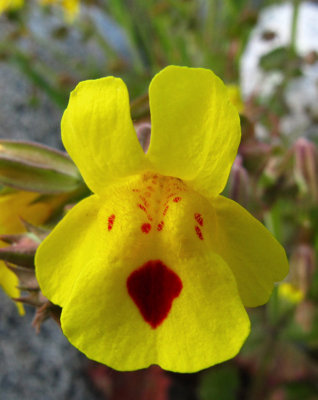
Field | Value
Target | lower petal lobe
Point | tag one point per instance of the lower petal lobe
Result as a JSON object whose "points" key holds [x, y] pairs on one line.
{"points": [[255, 257], [207, 322]]}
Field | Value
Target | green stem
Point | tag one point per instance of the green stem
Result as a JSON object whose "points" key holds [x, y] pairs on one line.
{"points": [[293, 34]]}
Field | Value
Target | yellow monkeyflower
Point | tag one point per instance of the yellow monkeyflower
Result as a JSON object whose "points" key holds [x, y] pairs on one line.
{"points": [[234, 93], [290, 293], [14, 206], [70, 7], [156, 266], [6, 5]]}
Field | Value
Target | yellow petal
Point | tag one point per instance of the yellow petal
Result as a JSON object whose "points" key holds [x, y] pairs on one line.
{"points": [[147, 218], [98, 133], [254, 255], [195, 128], [19, 204], [10, 5], [71, 7], [207, 323], [67, 250], [234, 93], [15, 206], [290, 293], [9, 283]]}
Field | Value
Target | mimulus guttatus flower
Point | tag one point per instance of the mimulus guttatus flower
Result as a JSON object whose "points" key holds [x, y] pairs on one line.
{"points": [[15, 205], [10, 5], [70, 7], [156, 266]]}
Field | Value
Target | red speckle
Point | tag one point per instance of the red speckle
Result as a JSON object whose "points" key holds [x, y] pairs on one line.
{"points": [[146, 228], [147, 194], [165, 210], [143, 208], [136, 190], [177, 199], [111, 220], [144, 201], [160, 226], [153, 287], [198, 232], [198, 218], [150, 188]]}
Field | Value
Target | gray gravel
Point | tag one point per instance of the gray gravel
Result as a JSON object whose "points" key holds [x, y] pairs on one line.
{"points": [[21, 120], [38, 367]]}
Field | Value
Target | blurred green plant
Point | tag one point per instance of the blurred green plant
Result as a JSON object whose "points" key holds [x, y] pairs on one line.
{"points": [[205, 33]]}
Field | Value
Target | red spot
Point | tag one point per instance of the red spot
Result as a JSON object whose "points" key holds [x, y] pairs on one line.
{"points": [[165, 210], [160, 226], [111, 220], [177, 199], [198, 232], [153, 287], [150, 188], [198, 218], [146, 228]]}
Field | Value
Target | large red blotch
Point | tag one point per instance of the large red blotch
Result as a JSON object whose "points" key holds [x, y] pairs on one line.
{"points": [[153, 287]]}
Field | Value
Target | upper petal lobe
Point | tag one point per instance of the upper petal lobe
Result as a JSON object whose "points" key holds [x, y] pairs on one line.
{"points": [[98, 133], [195, 128]]}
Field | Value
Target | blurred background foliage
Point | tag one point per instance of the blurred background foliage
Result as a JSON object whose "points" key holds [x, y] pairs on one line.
{"points": [[275, 175]]}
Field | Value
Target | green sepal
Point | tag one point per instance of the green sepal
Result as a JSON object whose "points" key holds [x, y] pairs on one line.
{"points": [[33, 167]]}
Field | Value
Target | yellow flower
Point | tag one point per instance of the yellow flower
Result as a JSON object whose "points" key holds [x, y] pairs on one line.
{"points": [[156, 267], [14, 206], [234, 94], [290, 293], [71, 7], [6, 5]]}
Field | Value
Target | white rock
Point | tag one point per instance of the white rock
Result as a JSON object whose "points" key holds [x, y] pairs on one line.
{"points": [[301, 94]]}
